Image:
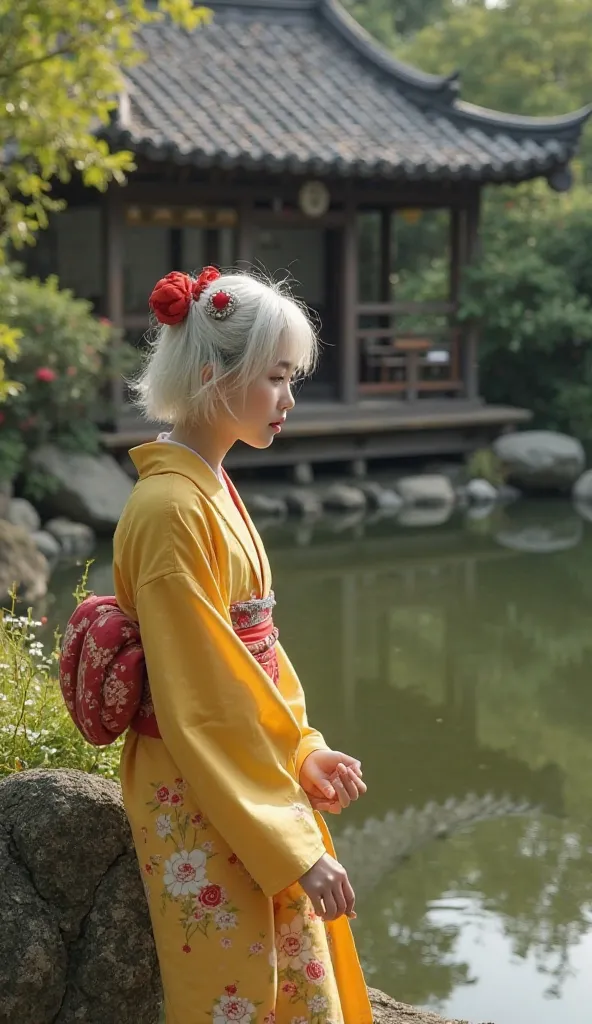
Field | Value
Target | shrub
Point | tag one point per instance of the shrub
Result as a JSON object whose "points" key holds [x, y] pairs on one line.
{"points": [[36, 730], [62, 366]]}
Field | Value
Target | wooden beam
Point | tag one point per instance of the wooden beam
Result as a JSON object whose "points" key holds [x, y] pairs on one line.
{"points": [[113, 276], [348, 354]]}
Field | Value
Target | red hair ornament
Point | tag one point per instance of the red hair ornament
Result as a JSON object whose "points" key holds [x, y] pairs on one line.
{"points": [[172, 296]]}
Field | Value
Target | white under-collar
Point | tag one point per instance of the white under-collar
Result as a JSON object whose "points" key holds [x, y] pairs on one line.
{"points": [[165, 436]]}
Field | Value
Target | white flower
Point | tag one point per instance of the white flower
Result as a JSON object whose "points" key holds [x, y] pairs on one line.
{"points": [[185, 873], [256, 948], [163, 826], [317, 1004], [233, 1008], [226, 943], [224, 919], [208, 847], [293, 946]]}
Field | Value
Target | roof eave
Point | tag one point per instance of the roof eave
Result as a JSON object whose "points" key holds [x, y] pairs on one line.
{"points": [[563, 127]]}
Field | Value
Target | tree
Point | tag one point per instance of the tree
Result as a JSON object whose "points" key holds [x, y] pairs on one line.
{"points": [[521, 56], [389, 22], [61, 68]]}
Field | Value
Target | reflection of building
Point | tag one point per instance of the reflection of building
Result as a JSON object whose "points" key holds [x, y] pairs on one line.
{"points": [[281, 135], [389, 659]]}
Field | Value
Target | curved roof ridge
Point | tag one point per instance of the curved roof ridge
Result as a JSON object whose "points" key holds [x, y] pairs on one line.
{"points": [[443, 87], [486, 118]]}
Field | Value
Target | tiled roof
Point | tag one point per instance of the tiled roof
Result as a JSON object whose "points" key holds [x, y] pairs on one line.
{"points": [[296, 85]]}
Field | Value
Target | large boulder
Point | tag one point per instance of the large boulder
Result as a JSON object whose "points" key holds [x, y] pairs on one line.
{"points": [[388, 1011], [75, 937], [21, 564], [428, 490], [541, 460], [344, 498], [22, 513], [91, 489]]}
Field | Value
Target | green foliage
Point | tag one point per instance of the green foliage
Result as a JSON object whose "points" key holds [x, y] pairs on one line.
{"points": [[532, 293], [61, 369], [36, 730], [387, 21], [484, 464], [61, 71]]}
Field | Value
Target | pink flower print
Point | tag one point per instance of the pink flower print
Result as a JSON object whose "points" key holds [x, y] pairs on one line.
{"points": [[315, 972], [226, 943], [212, 896], [176, 800], [289, 988], [270, 1018], [256, 948], [163, 795], [186, 948]]}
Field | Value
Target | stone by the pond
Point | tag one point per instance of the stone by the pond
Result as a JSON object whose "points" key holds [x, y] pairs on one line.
{"points": [[481, 492], [380, 498], [582, 490], [344, 498], [302, 502], [22, 513], [430, 489], [75, 937], [92, 489], [265, 505], [541, 460], [508, 494], [21, 564], [75, 539], [47, 545], [5, 497], [388, 1011]]}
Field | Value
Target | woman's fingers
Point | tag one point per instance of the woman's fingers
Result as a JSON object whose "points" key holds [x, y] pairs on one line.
{"points": [[330, 912], [349, 897]]}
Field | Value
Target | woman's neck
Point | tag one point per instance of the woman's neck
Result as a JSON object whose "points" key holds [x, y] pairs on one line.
{"points": [[206, 440]]}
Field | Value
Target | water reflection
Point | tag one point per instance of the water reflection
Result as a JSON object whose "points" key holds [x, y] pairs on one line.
{"points": [[455, 662]]}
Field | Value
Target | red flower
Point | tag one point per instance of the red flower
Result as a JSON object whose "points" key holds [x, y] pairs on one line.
{"points": [[148, 869], [315, 971], [45, 373], [233, 859], [211, 896], [186, 948], [230, 990], [197, 820], [163, 795], [171, 298], [206, 278], [176, 798], [289, 988], [44, 620]]}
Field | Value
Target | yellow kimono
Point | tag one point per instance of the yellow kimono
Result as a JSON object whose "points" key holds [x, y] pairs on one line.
{"points": [[221, 826]]}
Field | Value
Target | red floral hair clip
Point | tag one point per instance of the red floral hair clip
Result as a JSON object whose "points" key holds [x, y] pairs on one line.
{"points": [[172, 296]]}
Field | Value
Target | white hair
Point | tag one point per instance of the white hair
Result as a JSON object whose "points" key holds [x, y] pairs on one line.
{"points": [[171, 387]]}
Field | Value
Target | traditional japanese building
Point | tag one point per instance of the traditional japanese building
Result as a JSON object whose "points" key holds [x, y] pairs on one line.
{"points": [[281, 136]]}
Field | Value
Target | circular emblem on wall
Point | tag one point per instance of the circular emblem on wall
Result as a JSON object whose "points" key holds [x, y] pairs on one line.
{"points": [[314, 198]]}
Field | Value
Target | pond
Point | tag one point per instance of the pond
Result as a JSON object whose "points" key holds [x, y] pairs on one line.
{"points": [[455, 661]]}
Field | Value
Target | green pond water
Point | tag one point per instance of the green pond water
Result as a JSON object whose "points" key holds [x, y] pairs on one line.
{"points": [[454, 659]]}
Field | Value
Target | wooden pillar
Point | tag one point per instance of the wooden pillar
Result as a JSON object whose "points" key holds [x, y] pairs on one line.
{"points": [[348, 351], [471, 348], [246, 240], [113, 218]]}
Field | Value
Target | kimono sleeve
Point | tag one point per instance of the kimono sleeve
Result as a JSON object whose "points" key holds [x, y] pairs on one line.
{"points": [[293, 694], [230, 733]]}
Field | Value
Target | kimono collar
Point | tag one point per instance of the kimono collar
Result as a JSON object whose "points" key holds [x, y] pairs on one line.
{"points": [[162, 457]]}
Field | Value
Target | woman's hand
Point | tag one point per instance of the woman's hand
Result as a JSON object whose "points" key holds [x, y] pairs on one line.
{"points": [[331, 780], [327, 886]]}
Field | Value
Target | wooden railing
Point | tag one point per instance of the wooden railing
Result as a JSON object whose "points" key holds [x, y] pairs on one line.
{"points": [[409, 364]]}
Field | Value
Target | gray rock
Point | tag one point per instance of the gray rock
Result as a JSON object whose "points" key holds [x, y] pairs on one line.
{"points": [[303, 474], [75, 937], [5, 497], [92, 489], [265, 505], [582, 490], [302, 502], [508, 494], [21, 564], [541, 460], [22, 513], [75, 539], [47, 545], [481, 492], [380, 498], [344, 498], [426, 490]]}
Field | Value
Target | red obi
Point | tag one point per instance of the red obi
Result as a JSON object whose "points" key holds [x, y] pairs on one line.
{"points": [[103, 670]]}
